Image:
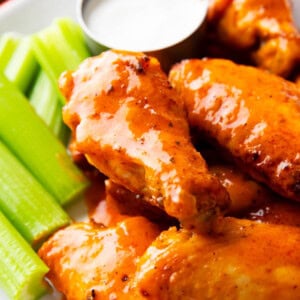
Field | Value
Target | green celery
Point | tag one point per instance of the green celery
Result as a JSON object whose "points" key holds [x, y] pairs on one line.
{"points": [[22, 66], [25, 133], [30, 208], [58, 49], [22, 271], [60, 129], [45, 100], [74, 36], [8, 44]]}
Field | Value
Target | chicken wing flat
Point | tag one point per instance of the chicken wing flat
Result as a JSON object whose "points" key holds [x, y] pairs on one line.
{"points": [[131, 125], [265, 28], [88, 261], [244, 192], [246, 261], [253, 115], [274, 211], [250, 199]]}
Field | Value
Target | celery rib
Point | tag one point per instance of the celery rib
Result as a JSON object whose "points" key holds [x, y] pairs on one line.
{"points": [[22, 66], [29, 207], [8, 44], [60, 129], [58, 48], [74, 35], [29, 138], [43, 98], [22, 271], [45, 101]]}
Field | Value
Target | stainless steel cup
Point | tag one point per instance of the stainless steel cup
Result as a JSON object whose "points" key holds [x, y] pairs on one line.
{"points": [[186, 46]]}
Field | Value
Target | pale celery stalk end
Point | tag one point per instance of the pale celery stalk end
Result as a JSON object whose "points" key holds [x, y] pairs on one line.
{"points": [[22, 67], [8, 44], [60, 47], [22, 271], [44, 99]]}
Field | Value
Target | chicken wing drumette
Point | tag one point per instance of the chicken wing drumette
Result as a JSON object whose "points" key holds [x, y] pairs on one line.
{"points": [[89, 261], [264, 28], [250, 113], [130, 124]]}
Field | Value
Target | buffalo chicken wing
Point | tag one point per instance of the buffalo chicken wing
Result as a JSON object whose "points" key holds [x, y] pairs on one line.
{"points": [[250, 113], [89, 261], [246, 260], [264, 28], [131, 125], [241, 260]]}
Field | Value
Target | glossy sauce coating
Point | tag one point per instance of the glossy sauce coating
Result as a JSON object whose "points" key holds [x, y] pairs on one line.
{"points": [[244, 192], [88, 261], [131, 125], [252, 114], [265, 28], [274, 210], [254, 201], [246, 260], [110, 203]]}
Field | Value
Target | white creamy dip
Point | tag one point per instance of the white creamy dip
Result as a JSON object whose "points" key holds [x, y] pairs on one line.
{"points": [[143, 25]]}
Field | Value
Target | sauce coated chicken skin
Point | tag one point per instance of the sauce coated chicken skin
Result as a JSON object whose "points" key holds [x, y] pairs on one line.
{"points": [[130, 260], [244, 192], [245, 261], [274, 211], [250, 199], [132, 126], [252, 114], [118, 203], [88, 261], [265, 28]]}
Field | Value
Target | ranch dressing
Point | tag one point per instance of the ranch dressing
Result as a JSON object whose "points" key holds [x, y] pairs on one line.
{"points": [[143, 25]]}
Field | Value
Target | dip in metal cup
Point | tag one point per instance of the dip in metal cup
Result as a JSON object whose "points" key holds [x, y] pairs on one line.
{"points": [[170, 30]]}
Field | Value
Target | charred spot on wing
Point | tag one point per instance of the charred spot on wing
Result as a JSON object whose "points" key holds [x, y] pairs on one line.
{"points": [[140, 65], [91, 295], [143, 64], [125, 278], [145, 293]]}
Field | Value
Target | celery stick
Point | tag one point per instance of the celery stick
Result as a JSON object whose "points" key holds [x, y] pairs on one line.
{"points": [[43, 98], [22, 271], [32, 210], [74, 35], [48, 55], [45, 101], [51, 64], [8, 44], [58, 49], [22, 66], [59, 128], [33, 143]]}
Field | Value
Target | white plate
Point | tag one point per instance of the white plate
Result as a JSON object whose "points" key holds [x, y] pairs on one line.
{"points": [[28, 16]]}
